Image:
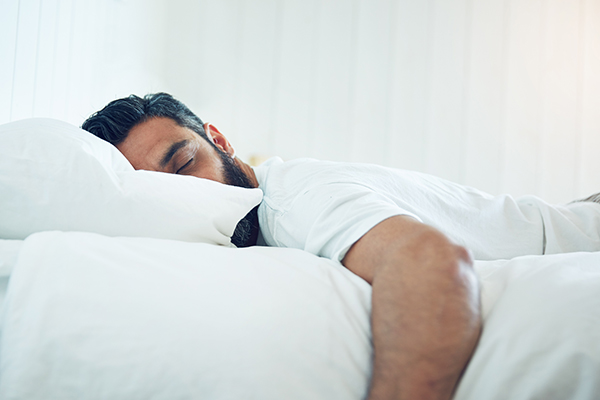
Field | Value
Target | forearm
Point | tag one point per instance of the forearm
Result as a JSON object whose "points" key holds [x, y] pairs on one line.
{"points": [[425, 316], [424, 332]]}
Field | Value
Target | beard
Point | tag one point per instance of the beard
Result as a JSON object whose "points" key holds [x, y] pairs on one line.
{"points": [[246, 231]]}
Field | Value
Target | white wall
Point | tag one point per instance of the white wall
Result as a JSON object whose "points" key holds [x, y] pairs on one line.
{"points": [[503, 95], [67, 58]]}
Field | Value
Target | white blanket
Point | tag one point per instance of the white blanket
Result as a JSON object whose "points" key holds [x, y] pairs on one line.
{"points": [[92, 317], [541, 335]]}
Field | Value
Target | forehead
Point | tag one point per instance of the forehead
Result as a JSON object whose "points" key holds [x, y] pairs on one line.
{"points": [[149, 141]]}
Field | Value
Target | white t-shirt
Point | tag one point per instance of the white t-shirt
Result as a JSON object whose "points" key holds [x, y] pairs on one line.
{"points": [[325, 207]]}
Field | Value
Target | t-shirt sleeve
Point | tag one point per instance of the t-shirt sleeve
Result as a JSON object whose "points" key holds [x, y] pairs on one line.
{"points": [[327, 220]]}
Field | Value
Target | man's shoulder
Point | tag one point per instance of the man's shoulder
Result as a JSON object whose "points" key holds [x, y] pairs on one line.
{"points": [[314, 166], [276, 172], [306, 173]]}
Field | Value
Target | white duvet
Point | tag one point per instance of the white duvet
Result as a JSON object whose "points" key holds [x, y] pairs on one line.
{"points": [[92, 317]]}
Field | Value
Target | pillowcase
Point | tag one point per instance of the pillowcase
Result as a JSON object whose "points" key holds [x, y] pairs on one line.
{"points": [[9, 252], [89, 317], [55, 176]]}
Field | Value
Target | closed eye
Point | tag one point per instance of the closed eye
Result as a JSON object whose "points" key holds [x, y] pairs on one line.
{"points": [[185, 165]]}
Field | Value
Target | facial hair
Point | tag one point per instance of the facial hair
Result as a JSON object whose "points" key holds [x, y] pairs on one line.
{"points": [[246, 231]]}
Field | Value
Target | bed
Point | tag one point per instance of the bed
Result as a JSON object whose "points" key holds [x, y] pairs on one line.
{"points": [[122, 284]]}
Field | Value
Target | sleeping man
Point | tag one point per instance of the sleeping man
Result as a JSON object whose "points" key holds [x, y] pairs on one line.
{"points": [[410, 235]]}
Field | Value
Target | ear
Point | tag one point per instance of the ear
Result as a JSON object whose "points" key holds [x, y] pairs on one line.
{"points": [[218, 139]]}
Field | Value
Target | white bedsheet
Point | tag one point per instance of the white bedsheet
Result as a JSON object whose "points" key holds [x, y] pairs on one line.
{"points": [[92, 317]]}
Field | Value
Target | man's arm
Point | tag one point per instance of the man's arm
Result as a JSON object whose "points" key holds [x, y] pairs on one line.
{"points": [[426, 316]]}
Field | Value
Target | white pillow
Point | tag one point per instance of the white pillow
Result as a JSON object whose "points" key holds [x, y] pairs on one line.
{"points": [[9, 252], [55, 176], [89, 317]]}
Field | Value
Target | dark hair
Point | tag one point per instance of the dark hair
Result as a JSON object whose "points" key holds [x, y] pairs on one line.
{"points": [[114, 121]]}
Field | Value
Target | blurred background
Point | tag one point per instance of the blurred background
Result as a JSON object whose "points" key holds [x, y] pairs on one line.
{"points": [[503, 95]]}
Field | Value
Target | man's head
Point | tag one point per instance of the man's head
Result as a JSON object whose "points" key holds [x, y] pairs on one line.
{"points": [[159, 133]]}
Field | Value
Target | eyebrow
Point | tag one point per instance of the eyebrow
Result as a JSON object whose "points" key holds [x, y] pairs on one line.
{"points": [[174, 148]]}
